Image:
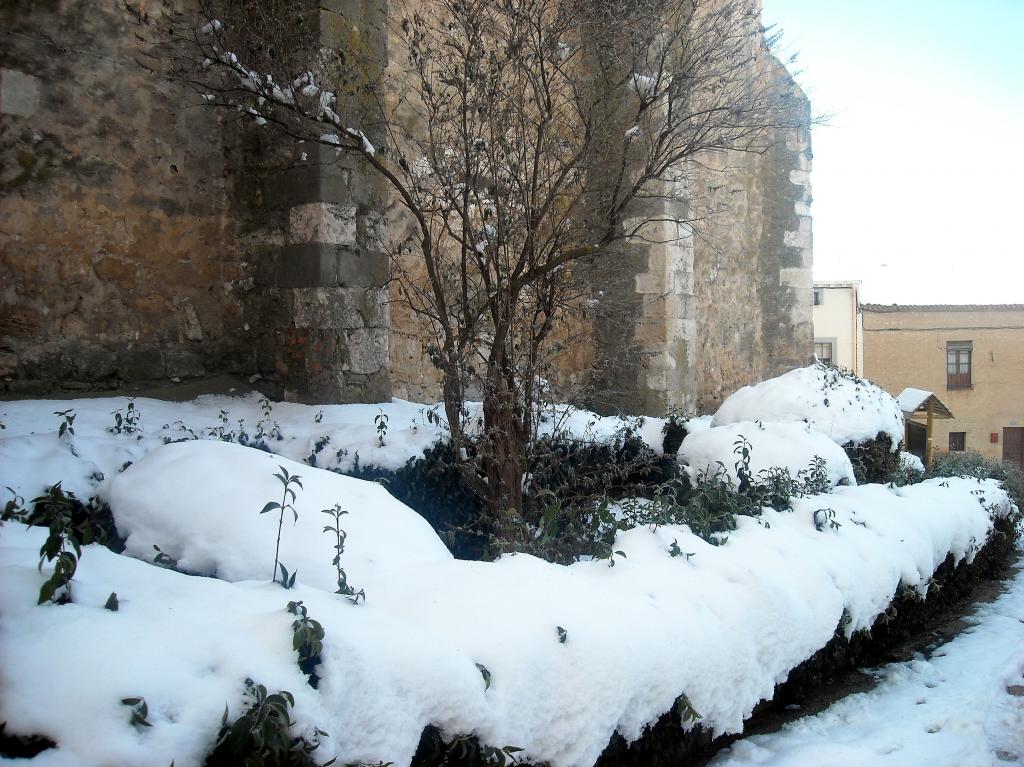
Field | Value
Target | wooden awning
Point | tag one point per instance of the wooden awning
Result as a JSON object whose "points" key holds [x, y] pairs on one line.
{"points": [[915, 401]]}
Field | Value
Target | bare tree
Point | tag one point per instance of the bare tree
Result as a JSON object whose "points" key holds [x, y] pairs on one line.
{"points": [[524, 140]]}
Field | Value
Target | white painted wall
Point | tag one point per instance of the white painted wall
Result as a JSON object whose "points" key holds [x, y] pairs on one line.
{"points": [[837, 319]]}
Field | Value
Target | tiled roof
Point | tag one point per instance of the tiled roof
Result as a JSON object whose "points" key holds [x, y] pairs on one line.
{"points": [[943, 307]]}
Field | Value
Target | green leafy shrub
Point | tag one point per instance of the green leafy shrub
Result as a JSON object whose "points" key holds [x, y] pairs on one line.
{"points": [[380, 423], [340, 536], [307, 641], [72, 524], [579, 495], [140, 711], [906, 475], [67, 423], [286, 504], [709, 505], [128, 422], [674, 431], [261, 737], [874, 461], [578, 472], [461, 751]]}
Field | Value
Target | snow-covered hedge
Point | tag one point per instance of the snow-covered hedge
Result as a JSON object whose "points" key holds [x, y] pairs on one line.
{"points": [[520, 652], [789, 446], [845, 408], [189, 497]]}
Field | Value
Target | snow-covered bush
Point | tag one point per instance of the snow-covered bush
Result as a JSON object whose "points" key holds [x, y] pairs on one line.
{"points": [[789, 446], [911, 462], [227, 486], [840, 405], [720, 625], [969, 463], [909, 470], [261, 737]]}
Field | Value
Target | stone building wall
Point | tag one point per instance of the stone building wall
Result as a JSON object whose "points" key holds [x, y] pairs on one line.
{"points": [[706, 307], [118, 260], [144, 237], [312, 223], [752, 264]]}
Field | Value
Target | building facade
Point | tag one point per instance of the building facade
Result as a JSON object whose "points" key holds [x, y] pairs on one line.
{"points": [[970, 356], [145, 237], [838, 325]]}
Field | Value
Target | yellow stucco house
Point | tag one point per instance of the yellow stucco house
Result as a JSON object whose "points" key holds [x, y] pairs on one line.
{"points": [[971, 356]]}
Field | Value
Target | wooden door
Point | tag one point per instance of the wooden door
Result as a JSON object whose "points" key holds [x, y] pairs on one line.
{"points": [[1013, 446]]}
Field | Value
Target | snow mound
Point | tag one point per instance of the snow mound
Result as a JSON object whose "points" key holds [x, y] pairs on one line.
{"points": [[838, 404], [200, 502], [789, 446], [698, 423]]}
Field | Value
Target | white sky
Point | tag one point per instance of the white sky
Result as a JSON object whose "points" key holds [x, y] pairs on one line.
{"points": [[917, 176]]}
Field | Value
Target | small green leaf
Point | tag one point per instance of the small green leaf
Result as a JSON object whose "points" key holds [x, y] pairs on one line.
{"points": [[486, 674]]}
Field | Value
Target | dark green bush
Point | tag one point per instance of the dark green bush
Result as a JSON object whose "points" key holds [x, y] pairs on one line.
{"points": [[307, 641], [577, 472], [434, 487], [574, 475], [675, 432], [874, 461], [571, 493]]}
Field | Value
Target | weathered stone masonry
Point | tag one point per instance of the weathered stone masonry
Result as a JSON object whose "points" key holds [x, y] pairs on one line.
{"points": [[118, 260], [146, 237], [315, 222]]}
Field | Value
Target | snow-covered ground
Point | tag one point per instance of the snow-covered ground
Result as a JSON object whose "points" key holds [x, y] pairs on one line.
{"points": [[962, 707]]}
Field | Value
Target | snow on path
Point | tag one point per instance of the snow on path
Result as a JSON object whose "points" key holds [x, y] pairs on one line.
{"points": [[964, 707]]}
